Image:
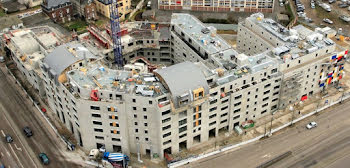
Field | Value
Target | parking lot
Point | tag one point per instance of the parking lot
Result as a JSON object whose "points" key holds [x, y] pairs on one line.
{"points": [[318, 14]]}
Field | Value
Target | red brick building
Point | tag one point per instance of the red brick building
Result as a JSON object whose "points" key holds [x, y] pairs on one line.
{"points": [[90, 12], [58, 10]]}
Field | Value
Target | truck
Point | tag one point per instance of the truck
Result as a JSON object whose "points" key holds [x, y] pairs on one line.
{"points": [[326, 7], [116, 159]]}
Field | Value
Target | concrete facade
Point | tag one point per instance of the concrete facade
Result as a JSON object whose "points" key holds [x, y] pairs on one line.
{"points": [[165, 110]]}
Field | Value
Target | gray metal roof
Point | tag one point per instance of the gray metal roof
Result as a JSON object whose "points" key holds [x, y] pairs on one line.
{"points": [[55, 3], [182, 78], [61, 58]]}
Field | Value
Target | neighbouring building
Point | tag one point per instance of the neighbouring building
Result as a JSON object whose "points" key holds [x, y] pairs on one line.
{"points": [[124, 8], [58, 10], [218, 6], [85, 9], [207, 88]]}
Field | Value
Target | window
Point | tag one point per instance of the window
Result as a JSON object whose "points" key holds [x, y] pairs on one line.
{"points": [[268, 85], [134, 108], [98, 130], [166, 120], [273, 70], [135, 123], [183, 135], [144, 109], [94, 108], [166, 142], [167, 134], [223, 115], [236, 117], [195, 116], [212, 123], [165, 112], [145, 117], [166, 127], [266, 98], [212, 116], [266, 92], [182, 129], [238, 97], [145, 124], [99, 137], [150, 102], [237, 110], [97, 122], [223, 121], [96, 115], [264, 105], [274, 99], [224, 108], [263, 111], [237, 104], [212, 109], [116, 139], [182, 122]]}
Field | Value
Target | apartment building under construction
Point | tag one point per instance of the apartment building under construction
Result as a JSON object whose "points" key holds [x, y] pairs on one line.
{"points": [[182, 83]]}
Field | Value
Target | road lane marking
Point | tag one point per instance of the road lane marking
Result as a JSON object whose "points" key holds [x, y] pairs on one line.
{"points": [[18, 148], [8, 153], [3, 133], [19, 161], [1, 106]]}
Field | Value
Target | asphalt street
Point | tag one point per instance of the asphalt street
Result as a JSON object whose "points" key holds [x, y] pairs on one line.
{"points": [[16, 112], [327, 145]]}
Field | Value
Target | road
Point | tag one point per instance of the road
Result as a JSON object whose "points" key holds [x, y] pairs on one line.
{"points": [[16, 112], [327, 145]]}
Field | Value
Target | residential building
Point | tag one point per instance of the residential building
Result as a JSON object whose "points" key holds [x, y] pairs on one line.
{"points": [[218, 6], [103, 6], [192, 88], [310, 60], [58, 10]]}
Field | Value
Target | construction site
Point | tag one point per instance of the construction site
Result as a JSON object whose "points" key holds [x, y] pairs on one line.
{"points": [[159, 89]]}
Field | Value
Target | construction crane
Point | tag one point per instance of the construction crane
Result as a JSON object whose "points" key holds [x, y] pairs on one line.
{"points": [[115, 33]]}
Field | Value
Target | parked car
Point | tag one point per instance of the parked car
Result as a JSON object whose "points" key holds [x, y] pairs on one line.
{"points": [[27, 131], [311, 125], [8, 138], [2, 59], [281, 4], [331, 1], [44, 159], [349, 8], [343, 5], [327, 21], [312, 5], [345, 18]]}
